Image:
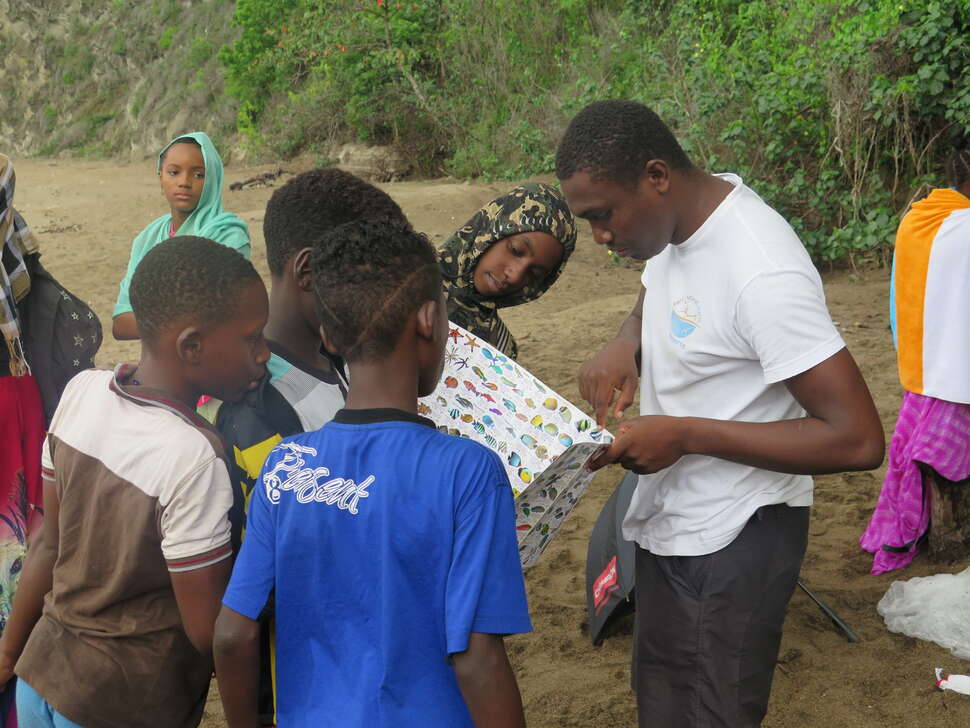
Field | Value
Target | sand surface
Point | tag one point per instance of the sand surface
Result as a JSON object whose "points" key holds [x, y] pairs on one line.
{"points": [[86, 214]]}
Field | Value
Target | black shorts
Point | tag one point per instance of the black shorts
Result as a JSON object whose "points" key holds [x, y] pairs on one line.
{"points": [[708, 628]]}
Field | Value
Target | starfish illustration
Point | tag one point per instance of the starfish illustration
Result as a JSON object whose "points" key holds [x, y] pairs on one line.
{"points": [[471, 343], [454, 334]]}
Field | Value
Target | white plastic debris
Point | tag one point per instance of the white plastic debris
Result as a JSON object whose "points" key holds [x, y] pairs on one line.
{"points": [[956, 683], [933, 608]]}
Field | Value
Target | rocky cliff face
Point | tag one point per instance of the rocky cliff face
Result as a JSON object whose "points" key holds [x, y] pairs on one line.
{"points": [[111, 76]]}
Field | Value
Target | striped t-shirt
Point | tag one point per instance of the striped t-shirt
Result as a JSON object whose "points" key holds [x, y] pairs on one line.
{"points": [[143, 491]]}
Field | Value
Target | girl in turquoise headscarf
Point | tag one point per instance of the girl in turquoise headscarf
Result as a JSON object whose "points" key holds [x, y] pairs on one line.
{"points": [[190, 172]]}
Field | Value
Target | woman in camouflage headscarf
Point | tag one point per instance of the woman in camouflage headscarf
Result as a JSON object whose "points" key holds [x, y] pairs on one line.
{"points": [[510, 252]]}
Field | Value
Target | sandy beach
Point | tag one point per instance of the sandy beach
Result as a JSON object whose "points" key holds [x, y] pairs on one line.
{"points": [[86, 214]]}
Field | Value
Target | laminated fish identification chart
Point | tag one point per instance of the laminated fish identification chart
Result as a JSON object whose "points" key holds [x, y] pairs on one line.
{"points": [[543, 439]]}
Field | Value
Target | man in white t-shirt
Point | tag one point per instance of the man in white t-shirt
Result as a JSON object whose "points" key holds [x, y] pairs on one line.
{"points": [[747, 390]]}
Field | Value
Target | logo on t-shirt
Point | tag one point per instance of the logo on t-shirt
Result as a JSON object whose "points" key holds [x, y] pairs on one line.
{"points": [[312, 484], [685, 317]]}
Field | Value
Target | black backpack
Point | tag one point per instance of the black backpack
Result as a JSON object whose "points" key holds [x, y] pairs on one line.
{"points": [[59, 332]]}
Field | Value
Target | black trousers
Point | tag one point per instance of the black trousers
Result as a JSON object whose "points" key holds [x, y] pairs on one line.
{"points": [[708, 628]]}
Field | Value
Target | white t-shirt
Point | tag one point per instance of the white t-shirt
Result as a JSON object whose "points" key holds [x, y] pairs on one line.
{"points": [[729, 314]]}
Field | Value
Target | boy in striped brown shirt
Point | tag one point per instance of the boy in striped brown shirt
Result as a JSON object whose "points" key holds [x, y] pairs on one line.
{"points": [[121, 589]]}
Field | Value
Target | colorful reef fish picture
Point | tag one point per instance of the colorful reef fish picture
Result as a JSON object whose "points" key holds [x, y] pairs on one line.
{"points": [[543, 439]]}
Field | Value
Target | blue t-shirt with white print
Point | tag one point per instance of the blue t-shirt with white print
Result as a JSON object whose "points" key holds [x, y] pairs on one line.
{"points": [[388, 543]]}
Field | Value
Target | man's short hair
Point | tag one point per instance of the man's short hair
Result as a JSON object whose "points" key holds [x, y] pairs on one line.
{"points": [[187, 278], [369, 277], [613, 140], [313, 203]]}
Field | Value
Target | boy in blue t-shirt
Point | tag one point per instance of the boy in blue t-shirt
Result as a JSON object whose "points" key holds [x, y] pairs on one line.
{"points": [[390, 546]]}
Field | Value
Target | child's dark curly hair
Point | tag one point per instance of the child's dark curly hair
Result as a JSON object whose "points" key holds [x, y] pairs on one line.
{"points": [[188, 278], [313, 203], [613, 140], [369, 277]]}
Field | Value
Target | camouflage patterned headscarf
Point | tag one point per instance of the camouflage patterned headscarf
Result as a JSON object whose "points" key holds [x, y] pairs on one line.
{"points": [[532, 207]]}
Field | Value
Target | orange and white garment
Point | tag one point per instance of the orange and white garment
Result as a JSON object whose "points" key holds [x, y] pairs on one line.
{"points": [[931, 297]]}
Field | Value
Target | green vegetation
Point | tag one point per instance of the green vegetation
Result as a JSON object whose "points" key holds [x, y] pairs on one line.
{"points": [[118, 43], [837, 111], [200, 52], [50, 118], [165, 39], [77, 60]]}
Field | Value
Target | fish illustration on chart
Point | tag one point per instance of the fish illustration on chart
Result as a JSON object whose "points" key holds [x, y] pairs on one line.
{"points": [[543, 440], [542, 507]]}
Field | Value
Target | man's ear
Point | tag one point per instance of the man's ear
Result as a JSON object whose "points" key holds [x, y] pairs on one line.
{"points": [[328, 343], [188, 344], [656, 175], [300, 265]]}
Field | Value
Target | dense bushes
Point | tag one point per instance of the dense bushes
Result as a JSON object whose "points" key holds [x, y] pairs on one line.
{"points": [[838, 111]]}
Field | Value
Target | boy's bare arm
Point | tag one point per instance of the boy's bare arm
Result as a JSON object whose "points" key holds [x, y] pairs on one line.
{"points": [[236, 650], [36, 580], [199, 596], [842, 430], [124, 327], [615, 368], [488, 684]]}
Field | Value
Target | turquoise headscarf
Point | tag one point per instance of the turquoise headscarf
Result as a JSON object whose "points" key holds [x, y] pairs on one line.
{"points": [[208, 220]]}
